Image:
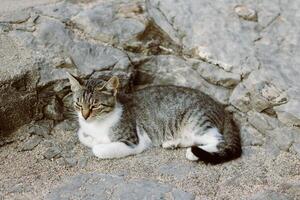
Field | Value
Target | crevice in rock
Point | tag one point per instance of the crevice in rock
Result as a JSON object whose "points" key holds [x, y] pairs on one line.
{"points": [[269, 23], [154, 41]]}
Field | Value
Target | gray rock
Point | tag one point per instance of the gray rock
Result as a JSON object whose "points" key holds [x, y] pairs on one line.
{"points": [[261, 121], [61, 10], [258, 93], [217, 75], [289, 113], [82, 162], [31, 143], [20, 188], [103, 23], [96, 186], [175, 71], [177, 170], [224, 41], [178, 195], [52, 152], [41, 128], [70, 162], [270, 195], [16, 17], [18, 97], [250, 136], [281, 137], [90, 57], [296, 149]]}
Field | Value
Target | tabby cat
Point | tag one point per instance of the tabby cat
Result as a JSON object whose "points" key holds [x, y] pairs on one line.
{"points": [[114, 124]]}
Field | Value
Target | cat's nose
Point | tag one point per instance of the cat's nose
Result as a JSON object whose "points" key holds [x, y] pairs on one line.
{"points": [[86, 113]]}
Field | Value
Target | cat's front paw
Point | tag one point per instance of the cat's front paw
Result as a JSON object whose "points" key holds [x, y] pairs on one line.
{"points": [[103, 151], [170, 144]]}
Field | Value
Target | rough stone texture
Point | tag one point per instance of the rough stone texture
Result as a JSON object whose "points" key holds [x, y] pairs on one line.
{"points": [[244, 54], [100, 186], [17, 85]]}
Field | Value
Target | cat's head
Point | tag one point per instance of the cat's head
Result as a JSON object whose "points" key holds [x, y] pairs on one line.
{"points": [[94, 98]]}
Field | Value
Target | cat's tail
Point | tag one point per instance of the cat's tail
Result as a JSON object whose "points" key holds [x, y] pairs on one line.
{"points": [[228, 149]]}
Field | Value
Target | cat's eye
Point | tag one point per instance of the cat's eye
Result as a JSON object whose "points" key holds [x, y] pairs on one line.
{"points": [[96, 106]]}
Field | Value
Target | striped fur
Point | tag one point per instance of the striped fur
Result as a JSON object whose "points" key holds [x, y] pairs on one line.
{"points": [[167, 116]]}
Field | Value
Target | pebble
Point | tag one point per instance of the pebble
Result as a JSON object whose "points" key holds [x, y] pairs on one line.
{"points": [[52, 152], [246, 13], [31, 143], [70, 162]]}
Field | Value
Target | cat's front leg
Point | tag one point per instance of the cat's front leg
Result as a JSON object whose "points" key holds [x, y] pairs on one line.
{"points": [[85, 139], [115, 150]]}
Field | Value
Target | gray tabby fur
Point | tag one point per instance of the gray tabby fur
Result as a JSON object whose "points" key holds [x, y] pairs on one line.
{"points": [[168, 116]]}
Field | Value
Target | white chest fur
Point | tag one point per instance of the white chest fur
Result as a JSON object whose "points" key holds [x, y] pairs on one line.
{"points": [[100, 130]]}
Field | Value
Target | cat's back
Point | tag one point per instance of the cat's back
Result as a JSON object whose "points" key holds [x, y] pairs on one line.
{"points": [[168, 97]]}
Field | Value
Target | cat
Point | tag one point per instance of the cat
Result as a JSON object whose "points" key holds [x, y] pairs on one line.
{"points": [[115, 124]]}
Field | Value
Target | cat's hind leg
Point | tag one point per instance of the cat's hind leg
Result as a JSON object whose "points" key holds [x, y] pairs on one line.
{"points": [[208, 142]]}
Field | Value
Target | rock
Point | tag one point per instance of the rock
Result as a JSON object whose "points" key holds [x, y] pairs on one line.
{"points": [[246, 13], [257, 93], [31, 143], [82, 162], [289, 113], [223, 41], [52, 152], [177, 170], [61, 10], [71, 162], [20, 188], [261, 121], [270, 195], [90, 57], [94, 186], [16, 17], [18, 97], [296, 148], [41, 128], [217, 75], [172, 70], [61, 62], [250, 136], [103, 23], [278, 139], [282, 137]]}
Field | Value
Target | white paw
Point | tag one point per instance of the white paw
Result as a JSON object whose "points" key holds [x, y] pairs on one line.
{"points": [[102, 151], [170, 144], [189, 155]]}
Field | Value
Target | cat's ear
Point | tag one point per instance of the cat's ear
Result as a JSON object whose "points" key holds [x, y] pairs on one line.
{"points": [[112, 85], [76, 83]]}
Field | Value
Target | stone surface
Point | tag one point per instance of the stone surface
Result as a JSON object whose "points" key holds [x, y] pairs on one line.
{"points": [[18, 97], [31, 143], [168, 69], [103, 23], [268, 195], [52, 152], [99, 186]]}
